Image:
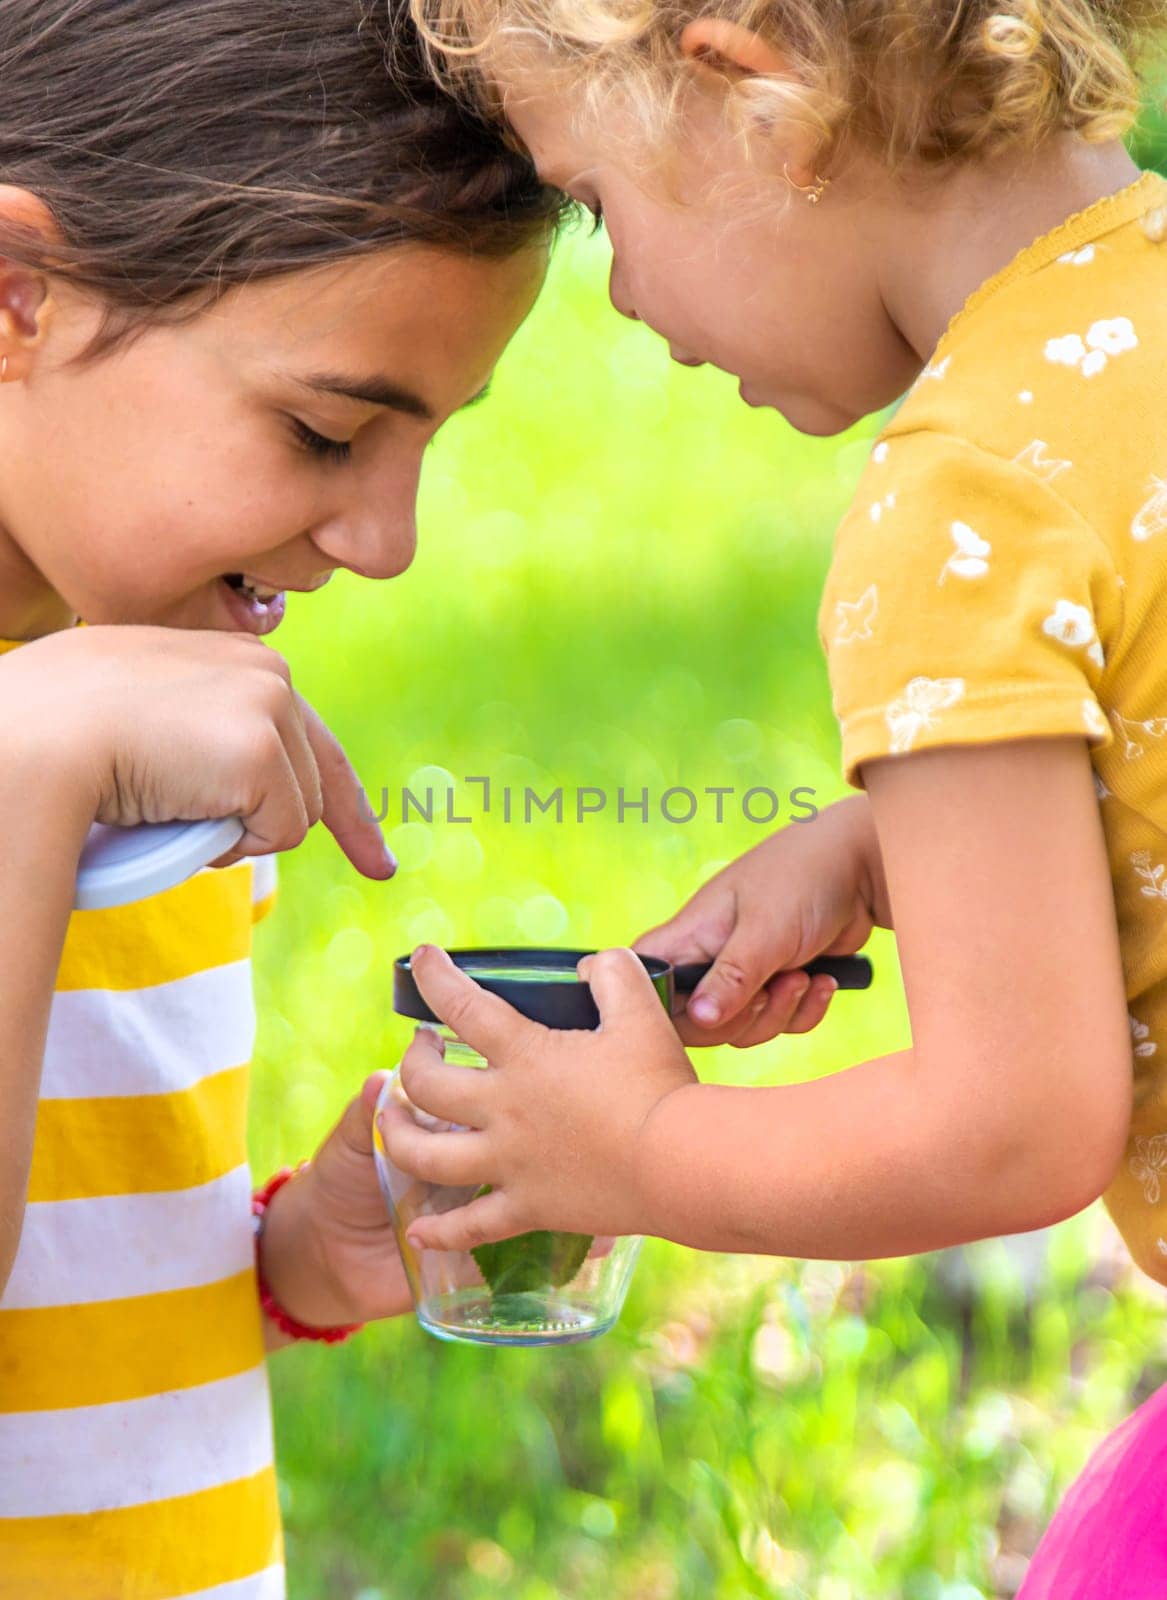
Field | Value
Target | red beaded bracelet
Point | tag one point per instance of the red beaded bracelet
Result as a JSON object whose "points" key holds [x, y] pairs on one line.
{"points": [[260, 1201]]}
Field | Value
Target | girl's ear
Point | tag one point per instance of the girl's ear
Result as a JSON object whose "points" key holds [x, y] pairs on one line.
{"points": [[725, 47], [726, 51], [26, 307]]}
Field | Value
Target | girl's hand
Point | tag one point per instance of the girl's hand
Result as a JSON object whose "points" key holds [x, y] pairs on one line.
{"points": [[161, 724], [556, 1119], [815, 888], [329, 1254]]}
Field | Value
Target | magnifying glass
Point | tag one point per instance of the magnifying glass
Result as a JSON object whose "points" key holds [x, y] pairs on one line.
{"points": [[121, 865]]}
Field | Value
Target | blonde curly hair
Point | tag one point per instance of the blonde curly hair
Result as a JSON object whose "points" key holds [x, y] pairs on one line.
{"points": [[924, 81]]}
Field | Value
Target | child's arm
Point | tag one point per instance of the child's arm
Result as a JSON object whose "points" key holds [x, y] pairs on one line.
{"points": [[1010, 1110]]}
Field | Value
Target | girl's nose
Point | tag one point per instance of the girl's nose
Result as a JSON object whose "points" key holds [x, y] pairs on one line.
{"points": [[373, 528], [375, 542]]}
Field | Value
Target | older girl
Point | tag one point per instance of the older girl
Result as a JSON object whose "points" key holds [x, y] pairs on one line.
{"points": [[245, 273]]}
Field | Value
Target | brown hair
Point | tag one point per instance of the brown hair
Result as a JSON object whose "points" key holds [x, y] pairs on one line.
{"points": [[187, 147], [916, 80]]}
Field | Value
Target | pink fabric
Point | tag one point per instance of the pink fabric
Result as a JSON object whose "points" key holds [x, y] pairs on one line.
{"points": [[1108, 1540]]}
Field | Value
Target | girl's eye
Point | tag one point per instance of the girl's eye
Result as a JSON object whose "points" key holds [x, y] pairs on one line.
{"points": [[318, 444], [597, 217]]}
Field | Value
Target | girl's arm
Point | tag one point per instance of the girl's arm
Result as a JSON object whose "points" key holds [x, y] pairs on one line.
{"points": [[45, 819], [328, 1251], [1010, 1110], [123, 725]]}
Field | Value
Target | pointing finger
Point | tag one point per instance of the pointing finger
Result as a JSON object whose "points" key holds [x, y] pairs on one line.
{"points": [[344, 812]]}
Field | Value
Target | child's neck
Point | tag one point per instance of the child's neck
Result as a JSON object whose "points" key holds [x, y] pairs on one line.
{"points": [[957, 232]]}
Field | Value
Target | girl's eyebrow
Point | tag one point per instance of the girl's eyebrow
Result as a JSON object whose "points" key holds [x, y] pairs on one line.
{"points": [[377, 392], [371, 391]]}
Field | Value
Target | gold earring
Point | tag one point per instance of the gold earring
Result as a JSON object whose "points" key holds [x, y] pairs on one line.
{"points": [[813, 191]]}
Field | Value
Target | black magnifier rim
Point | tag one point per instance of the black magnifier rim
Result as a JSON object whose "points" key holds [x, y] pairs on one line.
{"points": [[555, 1005]]}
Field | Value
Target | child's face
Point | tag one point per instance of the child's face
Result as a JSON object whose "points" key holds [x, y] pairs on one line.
{"points": [[726, 263], [133, 485]]}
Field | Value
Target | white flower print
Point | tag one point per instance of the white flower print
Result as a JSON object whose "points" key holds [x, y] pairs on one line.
{"points": [[879, 454], [1152, 728], [1035, 456], [969, 560], [1026, 397], [880, 506], [1100, 789], [1073, 625], [915, 710], [1068, 351], [1093, 718], [1078, 258], [1152, 518], [1162, 1246], [1104, 340], [937, 370], [1154, 224], [854, 618], [1113, 337], [1148, 1161], [1140, 1043], [1152, 875], [1070, 623]]}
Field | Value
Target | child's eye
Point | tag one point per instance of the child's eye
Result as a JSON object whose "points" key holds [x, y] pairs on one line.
{"points": [[318, 444], [597, 217]]}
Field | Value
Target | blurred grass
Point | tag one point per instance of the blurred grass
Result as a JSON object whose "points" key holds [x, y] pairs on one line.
{"points": [[617, 584]]}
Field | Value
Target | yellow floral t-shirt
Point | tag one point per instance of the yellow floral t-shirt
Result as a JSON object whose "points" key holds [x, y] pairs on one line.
{"points": [[1002, 574]]}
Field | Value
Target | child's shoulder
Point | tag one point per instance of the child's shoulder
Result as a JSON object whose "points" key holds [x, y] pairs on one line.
{"points": [[1058, 365]]}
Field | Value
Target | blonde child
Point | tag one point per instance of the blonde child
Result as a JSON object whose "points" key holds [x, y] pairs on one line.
{"points": [[245, 274], [837, 201]]}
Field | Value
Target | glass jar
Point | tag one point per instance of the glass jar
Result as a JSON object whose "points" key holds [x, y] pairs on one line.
{"points": [[539, 1288]]}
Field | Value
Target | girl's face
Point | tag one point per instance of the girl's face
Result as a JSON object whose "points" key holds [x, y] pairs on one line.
{"points": [[728, 264], [275, 438]]}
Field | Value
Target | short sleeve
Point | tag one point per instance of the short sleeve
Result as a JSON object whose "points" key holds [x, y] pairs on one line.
{"points": [[966, 603], [264, 886]]}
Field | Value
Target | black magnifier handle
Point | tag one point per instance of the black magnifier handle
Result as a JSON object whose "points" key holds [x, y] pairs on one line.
{"points": [[849, 972]]}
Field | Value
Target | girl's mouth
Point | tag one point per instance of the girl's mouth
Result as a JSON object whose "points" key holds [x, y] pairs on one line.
{"points": [[253, 606]]}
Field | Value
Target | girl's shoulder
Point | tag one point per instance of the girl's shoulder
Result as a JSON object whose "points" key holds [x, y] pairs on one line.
{"points": [[1055, 367]]}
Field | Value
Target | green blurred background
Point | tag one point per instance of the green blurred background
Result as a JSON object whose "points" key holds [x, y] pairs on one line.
{"points": [[617, 585]]}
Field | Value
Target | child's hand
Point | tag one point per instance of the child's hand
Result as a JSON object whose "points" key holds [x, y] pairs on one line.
{"points": [[159, 724], [815, 888], [556, 1118], [329, 1254]]}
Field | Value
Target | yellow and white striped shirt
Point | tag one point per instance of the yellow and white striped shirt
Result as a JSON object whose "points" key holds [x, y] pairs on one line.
{"points": [[135, 1426]]}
